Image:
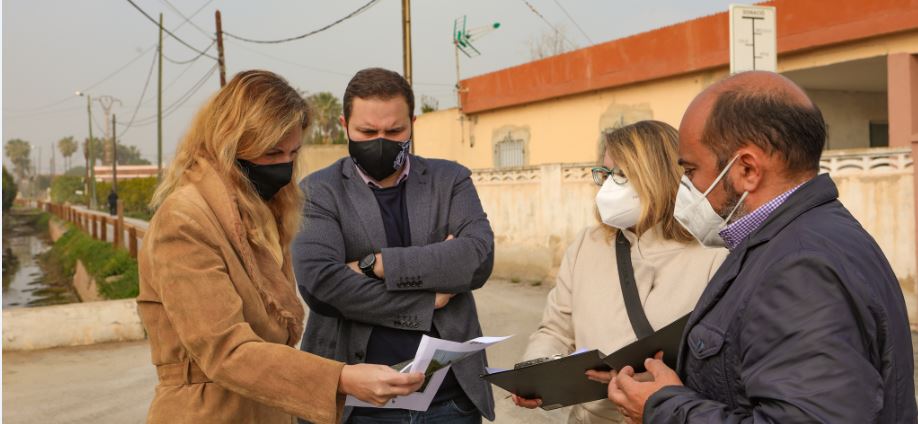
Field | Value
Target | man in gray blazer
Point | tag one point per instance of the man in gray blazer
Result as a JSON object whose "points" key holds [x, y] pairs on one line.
{"points": [[391, 248]]}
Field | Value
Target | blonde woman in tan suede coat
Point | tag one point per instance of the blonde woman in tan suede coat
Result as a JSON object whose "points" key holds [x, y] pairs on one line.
{"points": [[586, 309], [217, 293]]}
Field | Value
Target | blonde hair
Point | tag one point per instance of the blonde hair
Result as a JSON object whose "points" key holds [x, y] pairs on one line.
{"points": [[245, 119], [647, 152]]}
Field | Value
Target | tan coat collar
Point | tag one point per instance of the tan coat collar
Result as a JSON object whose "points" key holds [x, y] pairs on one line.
{"points": [[274, 284]]}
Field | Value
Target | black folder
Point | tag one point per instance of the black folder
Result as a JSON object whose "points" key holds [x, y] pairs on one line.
{"points": [[666, 339], [561, 382], [558, 383]]}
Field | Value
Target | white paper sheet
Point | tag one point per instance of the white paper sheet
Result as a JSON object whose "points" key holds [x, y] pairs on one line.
{"points": [[434, 358]]}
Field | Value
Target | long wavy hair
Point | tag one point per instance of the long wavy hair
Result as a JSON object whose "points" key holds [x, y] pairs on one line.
{"points": [[647, 152], [246, 118]]}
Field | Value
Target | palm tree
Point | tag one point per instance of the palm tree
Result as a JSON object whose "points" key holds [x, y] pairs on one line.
{"points": [[19, 152], [67, 146], [326, 109]]}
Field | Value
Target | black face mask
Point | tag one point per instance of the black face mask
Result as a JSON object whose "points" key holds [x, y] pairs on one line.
{"points": [[267, 179], [380, 157]]}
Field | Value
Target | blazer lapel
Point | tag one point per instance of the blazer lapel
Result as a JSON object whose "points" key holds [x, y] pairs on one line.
{"points": [[419, 200], [365, 205]]}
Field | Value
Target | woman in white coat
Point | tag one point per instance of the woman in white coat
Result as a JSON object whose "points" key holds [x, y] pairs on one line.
{"points": [[639, 178]]}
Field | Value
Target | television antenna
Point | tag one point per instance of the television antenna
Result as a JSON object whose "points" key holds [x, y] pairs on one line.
{"points": [[463, 39]]}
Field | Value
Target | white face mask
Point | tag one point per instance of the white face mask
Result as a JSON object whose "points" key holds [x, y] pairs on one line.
{"points": [[619, 205], [697, 215]]}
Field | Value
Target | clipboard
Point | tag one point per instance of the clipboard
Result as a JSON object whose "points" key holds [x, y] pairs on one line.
{"points": [[558, 383], [561, 382]]}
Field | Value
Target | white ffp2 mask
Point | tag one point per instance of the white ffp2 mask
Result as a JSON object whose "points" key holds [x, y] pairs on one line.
{"points": [[696, 214], [619, 205]]}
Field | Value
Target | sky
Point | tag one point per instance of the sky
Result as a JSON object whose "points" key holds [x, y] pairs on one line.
{"points": [[52, 48]]}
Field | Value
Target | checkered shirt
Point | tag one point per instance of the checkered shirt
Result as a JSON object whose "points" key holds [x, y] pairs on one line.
{"points": [[735, 233]]}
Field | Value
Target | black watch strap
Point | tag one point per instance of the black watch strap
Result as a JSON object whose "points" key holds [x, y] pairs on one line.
{"points": [[366, 265]]}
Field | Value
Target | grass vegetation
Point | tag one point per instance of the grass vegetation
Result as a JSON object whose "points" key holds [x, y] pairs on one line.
{"points": [[113, 269]]}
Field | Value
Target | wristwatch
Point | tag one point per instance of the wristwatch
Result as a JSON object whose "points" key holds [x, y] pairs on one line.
{"points": [[366, 265]]}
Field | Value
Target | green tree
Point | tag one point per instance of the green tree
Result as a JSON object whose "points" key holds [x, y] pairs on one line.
{"points": [[127, 154], [67, 146], [134, 194], [65, 188], [76, 171], [9, 191], [97, 144], [325, 128], [19, 153], [429, 104], [40, 183], [130, 155]]}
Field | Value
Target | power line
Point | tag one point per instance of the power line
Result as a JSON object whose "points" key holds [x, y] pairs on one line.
{"points": [[315, 69], [289, 62], [360, 10], [122, 67], [188, 18], [188, 95], [38, 113], [155, 22], [97, 83], [99, 127], [181, 100], [575, 22], [539, 14], [143, 93], [185, 62], [171, 83]]}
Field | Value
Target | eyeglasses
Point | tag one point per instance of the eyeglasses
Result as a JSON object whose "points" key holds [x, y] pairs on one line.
{"points": [[601, 174]]}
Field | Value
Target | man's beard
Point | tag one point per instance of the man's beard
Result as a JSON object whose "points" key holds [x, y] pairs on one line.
{"points": [[733, 198]]}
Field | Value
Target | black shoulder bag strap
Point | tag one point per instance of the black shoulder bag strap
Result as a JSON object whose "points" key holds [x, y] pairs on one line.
{"points": [[633, 305]]}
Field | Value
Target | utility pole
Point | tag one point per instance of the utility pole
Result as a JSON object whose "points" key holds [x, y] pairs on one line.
{"points": [[406, 39], [37, 173], [107, 102], [406, 48], [53, 158], [221, 61], [159, 106], [114, 157], [90, 158]]}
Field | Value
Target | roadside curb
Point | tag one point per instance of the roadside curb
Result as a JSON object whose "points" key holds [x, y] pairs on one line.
{"points": [[74, 324]]}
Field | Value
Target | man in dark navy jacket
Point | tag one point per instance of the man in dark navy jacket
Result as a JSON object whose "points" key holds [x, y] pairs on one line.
{"points": [[805, 320]]}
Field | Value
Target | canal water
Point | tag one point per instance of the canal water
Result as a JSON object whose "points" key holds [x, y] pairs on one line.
{"points": [[25, 261]]}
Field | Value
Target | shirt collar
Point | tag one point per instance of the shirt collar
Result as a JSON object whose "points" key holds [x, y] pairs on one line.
{"points": [[368, 180], [739, 230]]}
